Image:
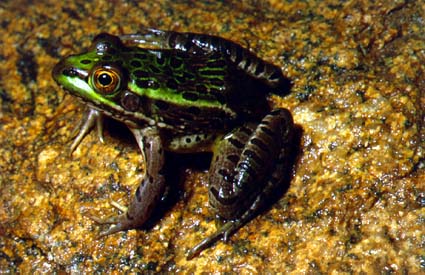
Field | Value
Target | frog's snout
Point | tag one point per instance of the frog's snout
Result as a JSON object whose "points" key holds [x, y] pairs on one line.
{"points": [[58, 70]]}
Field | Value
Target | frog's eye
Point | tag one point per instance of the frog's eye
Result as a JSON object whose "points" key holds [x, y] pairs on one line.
{"points": [[106, 80]]}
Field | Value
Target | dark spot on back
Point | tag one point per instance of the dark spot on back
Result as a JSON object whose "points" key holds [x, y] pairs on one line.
{"points": [[136, 63], [216, 82], [190, 96], [149, 83], [140, 56], [153, 84], [201, 88], [211, 73], [154, 69], [140, 74], [142, 83], [162, 105], [175, 62], [194, 110], [160, 61], [180, 79], [188, 75], [218, 63], [172, 84], [220, 98]]}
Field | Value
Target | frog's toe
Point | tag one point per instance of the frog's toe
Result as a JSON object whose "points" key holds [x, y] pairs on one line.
{"points": [[230, 228], [204, 244], [118, 206], [225, 231], [118, 224]]}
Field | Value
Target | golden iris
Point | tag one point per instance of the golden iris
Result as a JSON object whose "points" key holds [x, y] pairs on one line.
{"points": [[106, 80]]}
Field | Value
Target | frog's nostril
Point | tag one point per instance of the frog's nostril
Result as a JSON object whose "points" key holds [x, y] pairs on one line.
{"points": [[69, 72]]}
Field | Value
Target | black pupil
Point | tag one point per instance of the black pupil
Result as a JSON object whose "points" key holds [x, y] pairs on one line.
{"points": [[105, 79]]}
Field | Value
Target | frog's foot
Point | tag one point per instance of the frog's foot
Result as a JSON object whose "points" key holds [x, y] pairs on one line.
{"points": [[230, 227], [119, 222], [225, 231]]}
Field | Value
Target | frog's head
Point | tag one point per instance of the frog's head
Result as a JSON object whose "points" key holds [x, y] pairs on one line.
{"points": [[98, 77], [89, 75]]}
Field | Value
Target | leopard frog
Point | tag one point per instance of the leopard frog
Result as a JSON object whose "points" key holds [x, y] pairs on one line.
{"points": [[187, 93]]}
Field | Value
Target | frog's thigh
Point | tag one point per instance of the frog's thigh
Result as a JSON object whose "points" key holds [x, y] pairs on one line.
{"points": [[227, 152], [248, 164]]}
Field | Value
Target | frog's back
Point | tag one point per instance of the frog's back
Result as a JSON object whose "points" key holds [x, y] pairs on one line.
{"points": [[194, 92]]}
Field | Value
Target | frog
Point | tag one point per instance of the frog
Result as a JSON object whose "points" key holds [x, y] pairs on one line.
{"points": [[187, 92]]}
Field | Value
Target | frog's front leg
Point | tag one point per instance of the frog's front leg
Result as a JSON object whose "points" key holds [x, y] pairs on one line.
{"points": [[247, 168], [150, 191], [91, 118]]}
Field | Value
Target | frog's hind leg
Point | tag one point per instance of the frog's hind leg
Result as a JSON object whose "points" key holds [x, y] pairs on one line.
{"points": [[242, 184]]}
